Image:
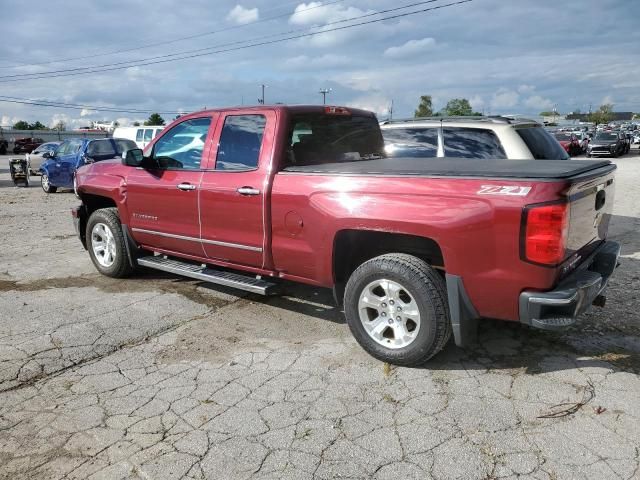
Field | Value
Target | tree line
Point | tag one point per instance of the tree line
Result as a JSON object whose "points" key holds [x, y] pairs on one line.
{"points": [[154, 119], [456, 107]]}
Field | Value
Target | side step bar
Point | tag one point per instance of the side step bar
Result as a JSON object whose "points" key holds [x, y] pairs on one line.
{"points": [[200, 272]]}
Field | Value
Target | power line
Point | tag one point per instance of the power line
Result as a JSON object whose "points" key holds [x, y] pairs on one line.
{"points": [[175, 40], [75, 106], [165, 59]]}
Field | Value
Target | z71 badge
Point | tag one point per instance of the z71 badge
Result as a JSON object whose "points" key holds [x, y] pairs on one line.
{"points": [[504, 190]]}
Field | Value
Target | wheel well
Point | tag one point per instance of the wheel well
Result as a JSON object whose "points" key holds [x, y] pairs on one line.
{"points": [[353, 247], [92, 203]]}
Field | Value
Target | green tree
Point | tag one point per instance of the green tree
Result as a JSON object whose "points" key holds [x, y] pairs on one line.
{"points": [[604, 114], [459, 107], [21, 125], [155, 119], [37, 126], [547, 113], [425, 108]]}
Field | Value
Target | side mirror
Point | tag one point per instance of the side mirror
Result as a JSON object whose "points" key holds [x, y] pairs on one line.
{"points": [[132, 158], [47, 154]]}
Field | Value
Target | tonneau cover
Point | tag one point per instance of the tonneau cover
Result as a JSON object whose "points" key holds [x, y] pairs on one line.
{"points": [[457, 167]]}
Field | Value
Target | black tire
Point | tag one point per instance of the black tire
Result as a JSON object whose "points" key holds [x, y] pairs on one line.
{"points": [[46, 185], [424, 285], [121, 267], [3, 149]]}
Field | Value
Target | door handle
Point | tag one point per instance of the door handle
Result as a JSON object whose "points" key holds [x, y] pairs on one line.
{"points": [[248, 191], [186, 186]]}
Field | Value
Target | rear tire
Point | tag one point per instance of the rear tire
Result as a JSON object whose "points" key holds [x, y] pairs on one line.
{"points": [[396, 307], [106, 243]]}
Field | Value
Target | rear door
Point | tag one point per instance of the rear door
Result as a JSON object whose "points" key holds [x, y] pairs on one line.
{"points": [[235, 190], [162, 197]]}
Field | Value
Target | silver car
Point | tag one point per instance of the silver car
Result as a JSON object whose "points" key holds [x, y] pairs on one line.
{"points": [[35, 158]]}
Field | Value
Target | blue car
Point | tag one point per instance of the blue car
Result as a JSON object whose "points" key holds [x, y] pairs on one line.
{"points": [[59, 168]]}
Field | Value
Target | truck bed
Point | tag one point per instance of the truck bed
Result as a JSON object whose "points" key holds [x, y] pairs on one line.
{"points": [[457, 167]]}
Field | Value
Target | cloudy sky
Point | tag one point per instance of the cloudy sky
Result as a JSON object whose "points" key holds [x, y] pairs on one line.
{"points": [[505, 56]]}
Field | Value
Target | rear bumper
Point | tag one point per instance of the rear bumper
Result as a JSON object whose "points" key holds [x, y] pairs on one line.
{"points": [[561, 306]]}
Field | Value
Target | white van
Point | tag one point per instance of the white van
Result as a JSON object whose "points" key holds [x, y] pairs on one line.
{"points": [[141, 135]]}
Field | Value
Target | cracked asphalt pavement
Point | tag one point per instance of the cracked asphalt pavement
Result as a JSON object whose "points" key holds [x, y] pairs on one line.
{"points": [[157, 377]]}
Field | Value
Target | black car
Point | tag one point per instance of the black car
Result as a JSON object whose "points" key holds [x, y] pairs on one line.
{"points": [[608, 143]]}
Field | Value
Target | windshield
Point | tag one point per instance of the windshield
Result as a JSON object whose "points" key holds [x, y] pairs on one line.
{"points": [[541, 144], [318, 138], [606, 137]]}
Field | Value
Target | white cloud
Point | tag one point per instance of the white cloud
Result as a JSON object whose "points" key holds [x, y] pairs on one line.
{"points": [[477, 102], [526, 89], [316, 13], [538, 103], [86, 112], [410, 48], [241, 15], [378, 104], [504, 98], [328, 60]]}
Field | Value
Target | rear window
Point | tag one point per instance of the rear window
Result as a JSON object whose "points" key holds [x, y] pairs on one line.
{"points": [[321, 138], [411, 142], [541, 144], [471, 143], [101, 149]]}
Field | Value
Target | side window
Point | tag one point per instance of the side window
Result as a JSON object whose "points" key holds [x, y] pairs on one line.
{"points": [[139, 134], [471, 143], [240, 142], [148, 134], [74, 146], [63, 148], [101, 149], [182, 146], [157, 131], [411, 142]]}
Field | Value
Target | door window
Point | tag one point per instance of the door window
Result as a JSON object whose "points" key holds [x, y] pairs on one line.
{"points": [[63, 149], [139, 135], [240, 142], [182, 146], [471, 143], [411, 142]]}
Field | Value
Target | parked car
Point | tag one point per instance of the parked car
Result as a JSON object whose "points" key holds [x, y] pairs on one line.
{"points": [[470, 137], [142, 135], [636, 136], [413, 249], [607, 143], [26, 145], [59, 168], [570, 143], [4, 146], [35, 158]]}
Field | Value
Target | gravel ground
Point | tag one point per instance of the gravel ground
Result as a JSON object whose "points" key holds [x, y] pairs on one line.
{"points": [[157, 377]]}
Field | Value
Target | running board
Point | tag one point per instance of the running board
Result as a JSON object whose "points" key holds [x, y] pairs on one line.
{"points": [[201, 272]]}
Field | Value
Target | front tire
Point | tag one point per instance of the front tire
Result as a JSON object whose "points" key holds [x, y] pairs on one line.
{"points": [[396, 307], [46, 184], [106, 243]]}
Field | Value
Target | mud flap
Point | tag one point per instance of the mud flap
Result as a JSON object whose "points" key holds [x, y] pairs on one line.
{"points": [[464, 318]]}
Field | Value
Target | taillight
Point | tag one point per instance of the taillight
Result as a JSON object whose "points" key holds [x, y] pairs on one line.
{"points": [[545, 229]]}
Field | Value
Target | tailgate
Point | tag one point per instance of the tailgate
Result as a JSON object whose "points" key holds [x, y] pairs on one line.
{"points": [[590, 198]]}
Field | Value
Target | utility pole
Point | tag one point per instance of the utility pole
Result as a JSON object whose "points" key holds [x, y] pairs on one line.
{"points": [[261, 99], [323, 92], [391, 110]]}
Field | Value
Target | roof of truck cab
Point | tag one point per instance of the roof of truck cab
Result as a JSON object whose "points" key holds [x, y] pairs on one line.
{"points": [[293, 109]]}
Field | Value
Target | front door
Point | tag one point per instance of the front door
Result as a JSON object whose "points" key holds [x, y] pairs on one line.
{"points": [[65, 163], [234, 191], [162, 195]]}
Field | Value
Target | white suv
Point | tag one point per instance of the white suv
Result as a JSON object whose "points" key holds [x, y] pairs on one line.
{"points": [[470, 137]]}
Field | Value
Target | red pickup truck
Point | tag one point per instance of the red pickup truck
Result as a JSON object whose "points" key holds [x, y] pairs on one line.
{"points": [[414, 249]]}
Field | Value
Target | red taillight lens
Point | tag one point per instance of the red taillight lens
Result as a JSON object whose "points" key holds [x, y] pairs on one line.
{"points": [[545, 233]]}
